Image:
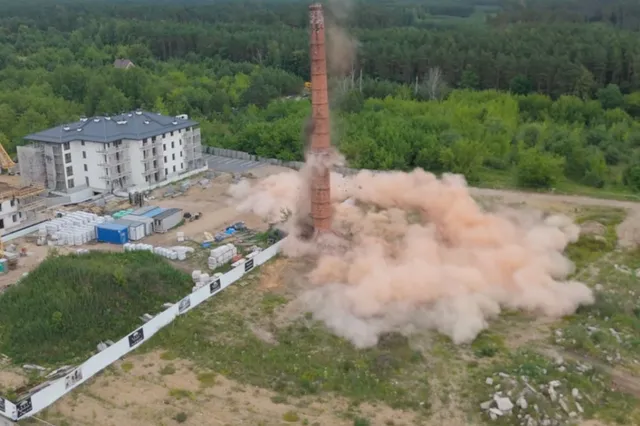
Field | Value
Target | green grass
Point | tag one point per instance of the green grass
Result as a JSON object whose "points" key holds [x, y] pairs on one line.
{"points": [[307, 359], [68, 304], [505, 179]]}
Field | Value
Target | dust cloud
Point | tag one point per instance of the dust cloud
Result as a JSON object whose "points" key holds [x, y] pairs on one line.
{"points": [[416, 252]]}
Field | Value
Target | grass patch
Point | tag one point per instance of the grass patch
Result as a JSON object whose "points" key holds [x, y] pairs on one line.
{"points": [[180, 417], [207, 379], [307, 360], [126, 366], [68, 304], [290, 416], [180, 394], [168, 370], [487, 344]]}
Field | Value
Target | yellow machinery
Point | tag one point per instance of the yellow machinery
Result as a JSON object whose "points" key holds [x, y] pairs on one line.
{"points": [[5, 161]]}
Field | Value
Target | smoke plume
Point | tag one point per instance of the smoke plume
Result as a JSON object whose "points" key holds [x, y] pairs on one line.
{"points": [[417, 252]]}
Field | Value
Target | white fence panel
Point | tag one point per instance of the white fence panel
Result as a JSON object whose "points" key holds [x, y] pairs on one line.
{"points": [[58, 388]]}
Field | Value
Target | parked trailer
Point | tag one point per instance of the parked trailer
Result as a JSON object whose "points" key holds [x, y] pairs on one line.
{"points": [[113, 233], [136, 229], [144, 210], [166, 220], [146, 221]]}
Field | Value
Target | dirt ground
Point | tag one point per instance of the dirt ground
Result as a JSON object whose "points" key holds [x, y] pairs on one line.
{"points": [[141, 391], [146, 390]]}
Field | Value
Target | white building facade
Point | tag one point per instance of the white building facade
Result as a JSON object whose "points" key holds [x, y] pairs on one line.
{"points": [[108, 153]]}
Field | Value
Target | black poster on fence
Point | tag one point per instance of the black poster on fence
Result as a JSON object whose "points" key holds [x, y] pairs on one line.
{"points": [[24, 407], [136, 337], [184, 304], [214, 286], [248, 265], [2, 405], [72, 379]]}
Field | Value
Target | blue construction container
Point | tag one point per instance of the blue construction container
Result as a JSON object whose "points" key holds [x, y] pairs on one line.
{"points": [[113, 233], [154, 212]]}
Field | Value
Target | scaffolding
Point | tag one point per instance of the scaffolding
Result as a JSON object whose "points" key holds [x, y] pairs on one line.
{"points": [[152, 161], [116, 163], [193, 149]]}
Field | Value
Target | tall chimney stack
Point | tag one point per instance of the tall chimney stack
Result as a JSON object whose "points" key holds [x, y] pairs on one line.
{"points": [[321, 211]]}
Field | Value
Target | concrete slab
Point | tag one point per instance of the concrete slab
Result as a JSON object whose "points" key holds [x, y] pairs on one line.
{"points": [[230, 165]]}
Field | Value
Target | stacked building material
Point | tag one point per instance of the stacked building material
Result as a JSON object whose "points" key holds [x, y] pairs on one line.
{"points": [[222, 255]]}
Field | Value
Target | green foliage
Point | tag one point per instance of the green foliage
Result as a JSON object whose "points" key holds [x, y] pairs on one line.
{"points": [[537, 169], [290, 416], [181, 417], [63, 308]]}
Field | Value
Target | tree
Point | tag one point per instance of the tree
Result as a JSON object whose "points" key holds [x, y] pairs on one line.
{"points": [[611, 97], [469, 79], [537, 169], [520, 85]]}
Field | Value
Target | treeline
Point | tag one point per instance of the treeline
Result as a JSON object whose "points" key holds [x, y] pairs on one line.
{"points": [[550, 58], [619, 13], [532, 140]]}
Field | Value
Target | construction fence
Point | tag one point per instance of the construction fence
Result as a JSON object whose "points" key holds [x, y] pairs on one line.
{"points": [[240, 155], [63, 385]]}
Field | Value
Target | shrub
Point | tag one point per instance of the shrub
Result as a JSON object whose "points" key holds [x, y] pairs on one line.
{"points": [[68, 304], [290, 416], [180, 417]]}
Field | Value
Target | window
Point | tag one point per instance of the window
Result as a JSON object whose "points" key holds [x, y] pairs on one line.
{"points": [[156, 176], [153, 151], [108, 145], [70, 183], [13, 202], [15, 217], [67, 158], [153, 139], [155, 164], [144, 155], [20, 215], [164, 135], [144, 141], [69, 171], [173, 157], [165, 158], [146, 178], [166, 172], [173, 144], [181, 166], [86, 169], [118, 169], [67, 146], [174, 168], [164, 146], [1, 223], [84, 154], [171, 133], [82, 143], [86, 179], [180, 142], [105, 159]]}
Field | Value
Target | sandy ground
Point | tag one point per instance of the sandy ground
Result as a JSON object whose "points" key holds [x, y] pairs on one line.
{"points": [[143, 394]]}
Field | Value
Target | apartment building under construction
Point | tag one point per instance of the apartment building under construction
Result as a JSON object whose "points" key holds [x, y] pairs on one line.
{"points": [[107, 153]]}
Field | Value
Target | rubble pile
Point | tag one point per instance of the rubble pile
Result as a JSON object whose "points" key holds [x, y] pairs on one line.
{"points": [[520, 401]]}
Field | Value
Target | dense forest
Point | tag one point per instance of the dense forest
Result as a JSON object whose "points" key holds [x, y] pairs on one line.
{"points": [[536, 93]]}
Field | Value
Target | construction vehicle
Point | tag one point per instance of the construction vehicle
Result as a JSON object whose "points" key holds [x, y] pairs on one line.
{"points": [[5, 161]]}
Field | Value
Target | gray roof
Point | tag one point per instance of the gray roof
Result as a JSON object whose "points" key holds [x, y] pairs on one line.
{"points": [[165, 214], [123, 63], [132, 125]]}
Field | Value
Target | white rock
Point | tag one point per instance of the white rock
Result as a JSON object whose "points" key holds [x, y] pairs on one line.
{"points": [[504, 404], [554, 383], [563, 405], [489, 381], [552, 394], [599, 287], [493, 416], [496, 411], [575, 393], [562, 369], [579, 407], [572, 414], [501, 374], [486, 405], [522, 403]]}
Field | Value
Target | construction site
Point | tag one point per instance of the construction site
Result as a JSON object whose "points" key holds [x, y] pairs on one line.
{"points": [[396, 299]]}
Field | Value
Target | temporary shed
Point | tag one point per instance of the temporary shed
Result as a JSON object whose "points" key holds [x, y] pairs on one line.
{"points": [[142, 210], [136, 229], [154, 212], [147, 221], [114, 233], [167, 220]]}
